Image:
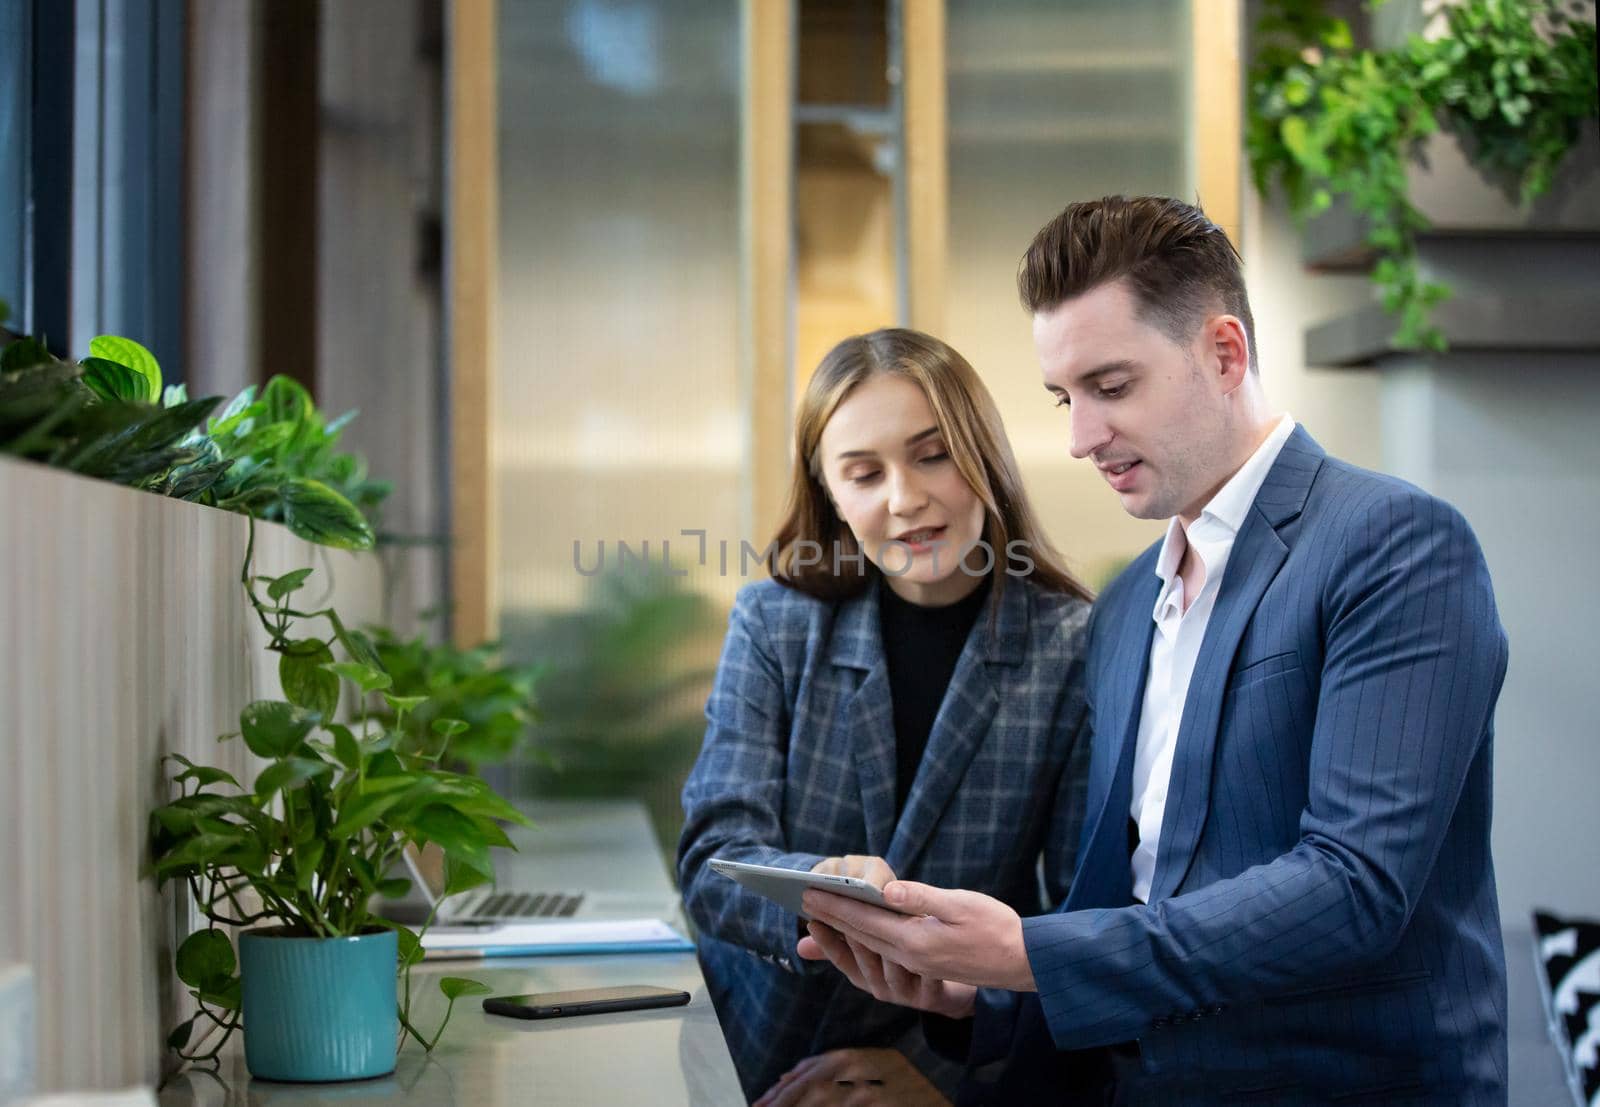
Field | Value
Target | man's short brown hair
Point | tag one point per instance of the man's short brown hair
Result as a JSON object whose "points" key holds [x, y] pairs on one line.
{"points": [[1179, 265]]}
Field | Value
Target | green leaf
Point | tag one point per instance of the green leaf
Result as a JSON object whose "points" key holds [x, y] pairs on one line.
{"points": [[395, 888], [272, 728], [127, 352], [111, 380], [460, 878], [203, 775], [404, 703], [449, 728], [410, 945], [456, 834], [358, 645], [288, 401], [199, 850], [264, 439], [454, 987], [1295, 133], [486, 804], [302, 670], [375, 784], [306, 860], [237, 411], [228, 995], [288, 774], [24, 353], [205, 959], [363, 811], [287, 584], [345, 747], [319, 514], [180, 1033], [362, 676]]}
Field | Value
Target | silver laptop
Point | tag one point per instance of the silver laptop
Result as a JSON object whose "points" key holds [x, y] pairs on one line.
{"points": [[504, 903]]}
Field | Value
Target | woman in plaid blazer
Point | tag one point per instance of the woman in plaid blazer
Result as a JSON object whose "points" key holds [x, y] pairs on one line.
{"points": [[905, 491]]}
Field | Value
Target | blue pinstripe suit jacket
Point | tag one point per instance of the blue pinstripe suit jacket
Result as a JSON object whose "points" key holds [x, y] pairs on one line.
{"points": [[799, 764], [1322, 924]]}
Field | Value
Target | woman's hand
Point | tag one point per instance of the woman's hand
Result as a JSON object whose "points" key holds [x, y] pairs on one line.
{"points": [[874, 870], [852, 1077]]}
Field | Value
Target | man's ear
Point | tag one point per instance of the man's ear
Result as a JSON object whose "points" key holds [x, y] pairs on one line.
{"points": [[1228, 348]]}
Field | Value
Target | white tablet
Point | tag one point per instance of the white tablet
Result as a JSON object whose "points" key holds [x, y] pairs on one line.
{"points": [[785, 886]]}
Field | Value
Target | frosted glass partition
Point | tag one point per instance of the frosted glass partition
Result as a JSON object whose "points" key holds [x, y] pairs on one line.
{"points": [[615, 407], [1050, 103]]}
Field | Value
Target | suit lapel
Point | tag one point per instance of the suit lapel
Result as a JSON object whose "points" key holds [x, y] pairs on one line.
{"points": [[869, 714], [1103, 878], [965, 717], [1258, 553]]}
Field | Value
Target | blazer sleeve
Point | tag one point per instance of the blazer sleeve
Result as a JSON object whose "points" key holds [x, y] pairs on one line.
{"points": [[733, 799], [1414, 658]]}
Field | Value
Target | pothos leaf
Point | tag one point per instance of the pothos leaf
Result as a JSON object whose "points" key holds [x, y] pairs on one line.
{"points": [[125, 351]]}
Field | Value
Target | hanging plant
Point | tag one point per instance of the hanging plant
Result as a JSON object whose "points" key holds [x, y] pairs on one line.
{"points": [[1514, 80]]}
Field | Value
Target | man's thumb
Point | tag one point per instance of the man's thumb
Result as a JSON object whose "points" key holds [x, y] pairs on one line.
{"points": [[910, 898]]}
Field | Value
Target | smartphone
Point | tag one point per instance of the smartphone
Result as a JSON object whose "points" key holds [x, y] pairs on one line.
{"points": [[785, 886], [588, 1001]]}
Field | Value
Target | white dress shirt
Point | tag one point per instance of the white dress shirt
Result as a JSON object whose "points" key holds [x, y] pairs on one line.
{"points": [[1176, 641]]}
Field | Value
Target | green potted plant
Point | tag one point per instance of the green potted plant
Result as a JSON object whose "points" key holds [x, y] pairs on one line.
{"points": [[623, 684], [321, 985], [1331, 120], [269, 456], [494, 698]]}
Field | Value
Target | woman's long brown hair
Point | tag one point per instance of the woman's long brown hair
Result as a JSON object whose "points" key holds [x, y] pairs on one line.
{"points": [[973, 434]]}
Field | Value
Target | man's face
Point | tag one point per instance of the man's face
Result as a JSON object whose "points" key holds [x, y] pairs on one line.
{"points": [[1144, 409]]}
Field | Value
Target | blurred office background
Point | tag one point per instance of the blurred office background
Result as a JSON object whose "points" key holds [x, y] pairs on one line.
{"points": [[574, 259]]}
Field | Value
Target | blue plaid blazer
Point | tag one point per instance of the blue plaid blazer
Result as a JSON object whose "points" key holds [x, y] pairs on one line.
{"points": [[799, 764], [1322, 925]]}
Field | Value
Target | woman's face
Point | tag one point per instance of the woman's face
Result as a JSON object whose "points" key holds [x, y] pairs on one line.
{"points": [[896, 487]]}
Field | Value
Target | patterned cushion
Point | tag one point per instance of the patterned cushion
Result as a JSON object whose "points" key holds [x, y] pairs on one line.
{"points": [[1569, 974]]}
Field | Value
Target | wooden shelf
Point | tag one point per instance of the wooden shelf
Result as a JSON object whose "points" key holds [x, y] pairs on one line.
{"points": [[1543, 322]]}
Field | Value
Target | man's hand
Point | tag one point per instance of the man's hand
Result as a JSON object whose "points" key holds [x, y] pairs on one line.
{"points": [[855, 1077], [884, 980], [874, 870], [944, 934]]}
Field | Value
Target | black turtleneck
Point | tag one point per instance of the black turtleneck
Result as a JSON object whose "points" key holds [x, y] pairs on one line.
{"points": [[921, 646]]}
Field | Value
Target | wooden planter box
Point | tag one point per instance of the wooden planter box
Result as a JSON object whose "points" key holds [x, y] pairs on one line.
{"points": [[124, 635]]}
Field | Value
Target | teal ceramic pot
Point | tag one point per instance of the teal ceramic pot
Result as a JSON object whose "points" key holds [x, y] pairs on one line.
{"points": [[318, 1009]]}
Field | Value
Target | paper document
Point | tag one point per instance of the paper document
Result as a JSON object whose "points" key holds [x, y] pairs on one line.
{"points": [[529, 939]]}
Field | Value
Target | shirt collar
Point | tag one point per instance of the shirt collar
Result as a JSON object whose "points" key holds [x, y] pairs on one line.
{"points": [[1232, 502], [1229, 507]]}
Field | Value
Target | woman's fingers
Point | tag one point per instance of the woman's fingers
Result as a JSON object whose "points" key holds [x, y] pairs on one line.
{"points": [[874, 870]]}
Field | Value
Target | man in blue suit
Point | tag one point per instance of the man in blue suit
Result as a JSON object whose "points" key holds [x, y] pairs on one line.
{"points": [[1284, 891]]}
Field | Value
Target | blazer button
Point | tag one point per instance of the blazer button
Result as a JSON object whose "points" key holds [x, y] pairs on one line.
{"points": [[1196, 1015]]}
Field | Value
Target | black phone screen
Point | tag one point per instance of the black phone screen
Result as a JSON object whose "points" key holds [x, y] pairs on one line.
{"points": [[586, 1001]]}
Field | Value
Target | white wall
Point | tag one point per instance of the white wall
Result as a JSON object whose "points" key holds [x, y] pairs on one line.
{"points": [[1511, 442]]}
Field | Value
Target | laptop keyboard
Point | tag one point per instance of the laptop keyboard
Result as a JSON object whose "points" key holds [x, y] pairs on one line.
{"points": [[528, 905]]}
